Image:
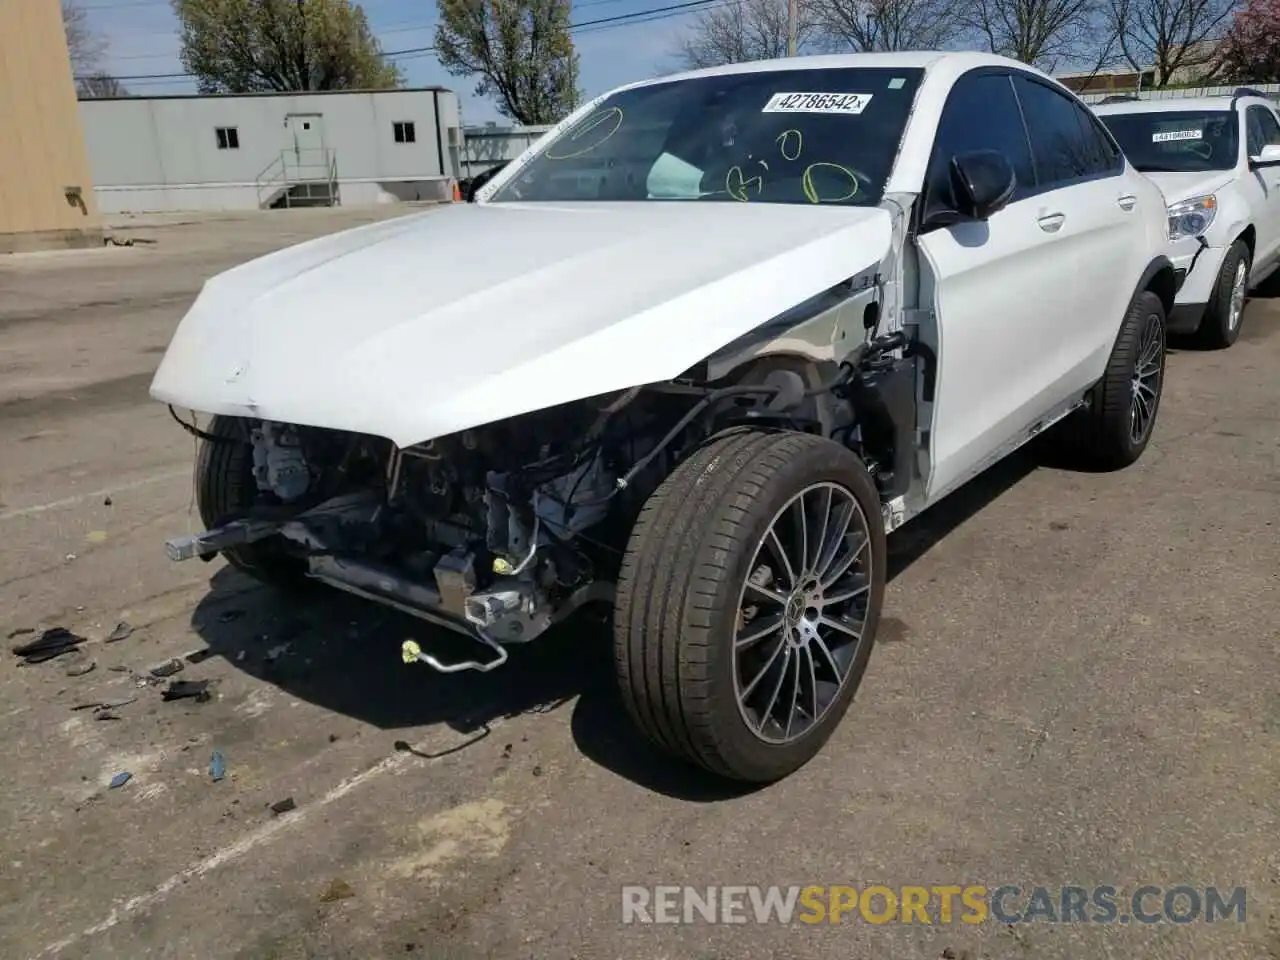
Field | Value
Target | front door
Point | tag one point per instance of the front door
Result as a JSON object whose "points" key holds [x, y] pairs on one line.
{"points": [[1002, 290], [1263, 184]]}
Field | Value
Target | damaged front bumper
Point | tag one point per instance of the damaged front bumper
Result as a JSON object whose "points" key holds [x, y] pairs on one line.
{"points": [[511, 609]]}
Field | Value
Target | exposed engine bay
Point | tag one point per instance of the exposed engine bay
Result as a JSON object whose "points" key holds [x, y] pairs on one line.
{"points": [[501, 531]]}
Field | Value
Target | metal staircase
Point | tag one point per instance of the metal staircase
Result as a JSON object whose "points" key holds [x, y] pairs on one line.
{"points": [[306, 177]]}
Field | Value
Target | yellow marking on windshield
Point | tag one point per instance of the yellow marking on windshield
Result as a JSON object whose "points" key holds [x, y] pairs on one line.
{"points": [[790, 137], [811, 192], [738, 189], [611, 116]]}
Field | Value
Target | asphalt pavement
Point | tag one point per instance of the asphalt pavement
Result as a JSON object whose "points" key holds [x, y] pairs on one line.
{"points": [[1076, 684]]}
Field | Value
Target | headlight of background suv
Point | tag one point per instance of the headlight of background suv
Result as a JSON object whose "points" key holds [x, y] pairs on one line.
{"points": [[1190, 218]]}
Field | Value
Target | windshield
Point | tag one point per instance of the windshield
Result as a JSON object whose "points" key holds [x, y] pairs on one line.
{"points": [[1190, 141], [784, 136]]}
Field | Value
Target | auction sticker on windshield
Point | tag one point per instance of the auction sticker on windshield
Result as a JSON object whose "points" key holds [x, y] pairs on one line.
{"points": [[1171, 135], [817, 103]]}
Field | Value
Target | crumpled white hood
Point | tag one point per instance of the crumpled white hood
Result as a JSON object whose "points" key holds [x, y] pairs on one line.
{"points": [[424, 325]]}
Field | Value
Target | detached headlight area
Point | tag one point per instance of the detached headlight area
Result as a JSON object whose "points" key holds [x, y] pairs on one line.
{"points": [[1190, 218]]}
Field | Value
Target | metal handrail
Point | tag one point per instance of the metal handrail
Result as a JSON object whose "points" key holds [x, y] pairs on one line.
{"points": [[282, 172]]}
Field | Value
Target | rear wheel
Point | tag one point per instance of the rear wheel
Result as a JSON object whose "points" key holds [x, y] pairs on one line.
{"points": [[1114, 427], [1221, 324], [748, 602], [226, 489]]}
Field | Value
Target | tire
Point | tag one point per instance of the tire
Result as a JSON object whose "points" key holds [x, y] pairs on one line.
{"points": [[1103, 434], [681, 593], [1224, 313], [225, 490]]}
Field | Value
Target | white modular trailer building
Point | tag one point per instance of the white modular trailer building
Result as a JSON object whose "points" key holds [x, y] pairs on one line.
{"points": [[253, 151], [487, 145]]}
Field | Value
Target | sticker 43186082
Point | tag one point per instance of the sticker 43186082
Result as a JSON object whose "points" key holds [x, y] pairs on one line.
{"points": [[1171, 135], [817, 103]]}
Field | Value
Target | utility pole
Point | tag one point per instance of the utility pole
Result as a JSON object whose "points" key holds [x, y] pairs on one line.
{"points": [[793, 23]]}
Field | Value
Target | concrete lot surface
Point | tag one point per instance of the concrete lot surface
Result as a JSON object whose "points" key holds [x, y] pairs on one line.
{"points": [[1076, 685]]}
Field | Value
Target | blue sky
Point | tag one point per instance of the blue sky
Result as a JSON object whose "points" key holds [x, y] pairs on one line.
{"points": [[142, 37]]}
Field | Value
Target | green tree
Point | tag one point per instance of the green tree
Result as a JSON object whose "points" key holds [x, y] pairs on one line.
{"points": [[520, 49], [243, 46]]}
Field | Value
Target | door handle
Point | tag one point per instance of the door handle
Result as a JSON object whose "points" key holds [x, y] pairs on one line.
{"points": [[1051, 222], [1127, 201]]}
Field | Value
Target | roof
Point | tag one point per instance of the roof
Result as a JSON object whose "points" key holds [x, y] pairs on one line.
{"points": [[1180, 104], [914, 59], [273, 93]]}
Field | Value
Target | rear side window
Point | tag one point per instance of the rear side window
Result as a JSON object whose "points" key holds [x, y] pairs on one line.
{"points": [[1263, 129], [1106, 158], [981, 113], [1065, 144]]}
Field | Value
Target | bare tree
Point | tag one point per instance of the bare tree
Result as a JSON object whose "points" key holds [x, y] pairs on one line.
{"points": [[85, 45], [870, 25], [100, 85], [1170, 36], [744, 30], [1045, 33]]}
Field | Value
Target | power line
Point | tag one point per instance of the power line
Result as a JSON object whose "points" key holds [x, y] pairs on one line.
{"points": [[674, 9]]}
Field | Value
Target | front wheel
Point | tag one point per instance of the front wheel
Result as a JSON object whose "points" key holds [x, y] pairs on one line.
{"points": [[1221, 324], [748, 602]]}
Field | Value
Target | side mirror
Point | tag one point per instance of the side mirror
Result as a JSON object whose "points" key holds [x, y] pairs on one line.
{"points": [[982, 183], [1269, 157]]}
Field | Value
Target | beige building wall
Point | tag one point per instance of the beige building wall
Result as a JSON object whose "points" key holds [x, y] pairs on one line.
{"points": [[46, 197]]}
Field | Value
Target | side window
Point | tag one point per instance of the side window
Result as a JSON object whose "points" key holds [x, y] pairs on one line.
{"points": [[1063, 152], [1106, 158], [1263, 129], [981, 113]]}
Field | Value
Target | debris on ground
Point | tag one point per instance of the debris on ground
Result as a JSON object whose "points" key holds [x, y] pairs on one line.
{"points": [[283, 806], [54, 642], [337, 890], [198, 656], [166, 669], [106, 501], [119, 780], [69, 557], [228, 615], [106, 715], [21, 632], [122, 631], [182, 689], [80, 665], [217, 766], [104, 704]]}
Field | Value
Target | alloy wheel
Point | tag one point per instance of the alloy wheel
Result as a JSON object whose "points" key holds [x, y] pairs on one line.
{"points": [[1145, 384], [1238, 284], [802, 613]]}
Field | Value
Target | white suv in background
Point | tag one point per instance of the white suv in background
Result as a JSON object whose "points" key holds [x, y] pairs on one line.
{"points": [[1217, 161]]}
